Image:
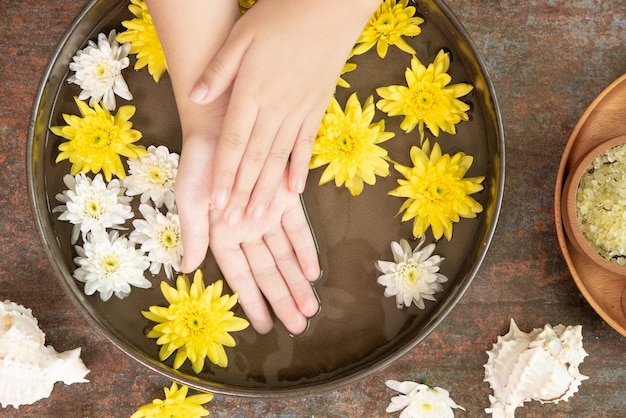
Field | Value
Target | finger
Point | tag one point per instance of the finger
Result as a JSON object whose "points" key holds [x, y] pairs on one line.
{"points": [[273, 170], [299, 287], [192, 201], [273, 286], [254, 159], [220, 72], [296, 226], [236, 129], [234, 266], [301, 154]]}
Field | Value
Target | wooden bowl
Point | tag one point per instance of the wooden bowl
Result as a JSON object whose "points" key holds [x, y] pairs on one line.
{"points": [[604, 119], [568, 206]]}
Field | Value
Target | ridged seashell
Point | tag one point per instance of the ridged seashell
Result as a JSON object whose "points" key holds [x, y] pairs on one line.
{"points": [[29, 368], [541, 365]]}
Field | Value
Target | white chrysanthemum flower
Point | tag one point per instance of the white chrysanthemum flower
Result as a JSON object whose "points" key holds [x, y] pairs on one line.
{"points": [[93, 205], [159, 237], [413, 275], [421, 401], [153, 176], [98, 71], [110, 264]]}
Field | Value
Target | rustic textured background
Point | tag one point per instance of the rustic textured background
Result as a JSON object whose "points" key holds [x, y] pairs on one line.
{"points": [[547, 59]]}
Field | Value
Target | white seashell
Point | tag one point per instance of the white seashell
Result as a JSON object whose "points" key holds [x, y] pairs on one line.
{"points": [[28, 368], [541, 365]]}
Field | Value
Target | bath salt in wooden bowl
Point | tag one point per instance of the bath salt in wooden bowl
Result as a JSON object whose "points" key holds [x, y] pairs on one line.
{"points": [[594, 205]]}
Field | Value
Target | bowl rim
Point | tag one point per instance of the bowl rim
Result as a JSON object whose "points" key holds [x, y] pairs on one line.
{"points": [[568, 205]]}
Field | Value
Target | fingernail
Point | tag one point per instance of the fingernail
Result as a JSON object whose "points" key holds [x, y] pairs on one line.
{"points": [[298, 186], [199, 93], [258, 212], [234, 216], [221, 198]]}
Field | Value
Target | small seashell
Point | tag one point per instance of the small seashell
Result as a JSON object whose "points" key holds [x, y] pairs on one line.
{"points": [[541, 365], [29, 368]]}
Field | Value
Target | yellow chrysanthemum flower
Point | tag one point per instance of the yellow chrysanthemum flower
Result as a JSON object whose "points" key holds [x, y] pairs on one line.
{"points": [[428, 99], [437, 192], [387, 26], [347, 142], [176, 404], [196, 323], [97, 139], [144, 41]]}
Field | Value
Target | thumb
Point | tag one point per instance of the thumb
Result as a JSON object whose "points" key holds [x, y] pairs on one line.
{"points": [[220, 73], [192, 200]]}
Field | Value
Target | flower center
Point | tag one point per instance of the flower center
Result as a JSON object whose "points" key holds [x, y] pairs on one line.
{"points": [[435, 192], [195, 321], [437, 189], [96, 133], [423, 99], [169, 237], [410, 273], [385, 24], [156, 175], [110, 265], [426, 407], [92, 209], [347, 144], [103, 71]]}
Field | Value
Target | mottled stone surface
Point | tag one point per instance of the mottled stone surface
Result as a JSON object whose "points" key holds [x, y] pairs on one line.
{"points": [[548, 59]]}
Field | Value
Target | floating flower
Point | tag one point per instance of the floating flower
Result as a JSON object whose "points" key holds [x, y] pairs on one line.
{"points": [[428, 100], [390, 23], [421, 401], [153, 177], [110, 264], [437, 192], [97, 139], [196, 323], [91, 205], [159, 237], [98, 71], [347, 142], [175, 404], [413, 275], [144, 41]]}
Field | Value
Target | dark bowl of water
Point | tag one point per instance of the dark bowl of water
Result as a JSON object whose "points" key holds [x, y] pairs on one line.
{"points": [[358, 331]]}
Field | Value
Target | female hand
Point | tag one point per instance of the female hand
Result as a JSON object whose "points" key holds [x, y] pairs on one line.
{"points": [[283, 59], [274, 260], [189, 44]]}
